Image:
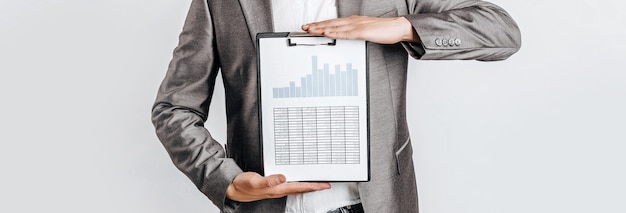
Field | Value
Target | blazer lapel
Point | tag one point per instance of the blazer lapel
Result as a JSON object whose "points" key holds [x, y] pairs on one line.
{"points": [[258, 14], [347, 8]]}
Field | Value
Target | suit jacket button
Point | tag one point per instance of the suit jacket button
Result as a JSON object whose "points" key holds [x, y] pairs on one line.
{"points": [[438, 42], [445, 42], [457, 42]]}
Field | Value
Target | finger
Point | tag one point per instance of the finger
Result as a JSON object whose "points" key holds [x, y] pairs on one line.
{"points": [[298, 187], [340, 21], [331, 23], [343, 34], [335, 31], [317, 30], [274, 180], [253, 180], [323, 24]]}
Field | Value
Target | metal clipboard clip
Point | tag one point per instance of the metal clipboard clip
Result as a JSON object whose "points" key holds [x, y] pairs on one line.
{"points": [[305, 39]]}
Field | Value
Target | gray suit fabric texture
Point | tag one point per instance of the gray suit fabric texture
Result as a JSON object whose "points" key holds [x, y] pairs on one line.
{"points": [[220, 36]]}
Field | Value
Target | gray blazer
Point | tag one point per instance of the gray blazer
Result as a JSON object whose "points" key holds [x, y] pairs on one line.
{"points": [[219, 35]]}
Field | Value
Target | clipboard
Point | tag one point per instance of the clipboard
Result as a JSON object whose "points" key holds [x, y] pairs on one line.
{"points": [[313, 107]]}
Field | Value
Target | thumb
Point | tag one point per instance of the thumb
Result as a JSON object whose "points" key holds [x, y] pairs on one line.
{"points": [[275, 180]]}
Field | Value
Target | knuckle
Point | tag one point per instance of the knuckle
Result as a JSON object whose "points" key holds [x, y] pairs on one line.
{"points": [[273, 195], [346, 35]]}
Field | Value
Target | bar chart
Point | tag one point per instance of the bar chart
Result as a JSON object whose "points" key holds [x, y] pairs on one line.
{"points": [[321, 82]]}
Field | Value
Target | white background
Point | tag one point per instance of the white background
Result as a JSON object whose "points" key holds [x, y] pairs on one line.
{"points": [[544, 131]]}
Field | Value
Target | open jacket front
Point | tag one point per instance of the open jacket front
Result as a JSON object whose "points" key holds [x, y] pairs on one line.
{"points": [[219, 35]]}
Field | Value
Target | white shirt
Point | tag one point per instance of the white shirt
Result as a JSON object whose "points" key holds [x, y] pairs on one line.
{"points": [[289, 16]]}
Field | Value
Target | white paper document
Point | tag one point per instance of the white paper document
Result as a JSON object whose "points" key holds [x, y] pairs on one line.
{"points": [[313, 101]]}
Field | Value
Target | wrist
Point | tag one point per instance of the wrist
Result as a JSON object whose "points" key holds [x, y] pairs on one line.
{"points": [[409, 35]]}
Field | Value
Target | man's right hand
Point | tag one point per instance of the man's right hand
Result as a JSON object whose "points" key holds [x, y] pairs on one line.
{"points": [[250, 186]]}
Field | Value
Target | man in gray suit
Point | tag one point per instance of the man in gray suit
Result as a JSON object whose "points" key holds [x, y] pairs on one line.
{"points": [[219, 35]]}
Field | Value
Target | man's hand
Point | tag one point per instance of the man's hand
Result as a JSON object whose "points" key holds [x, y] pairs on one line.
{"points": [[377, 30], [250, 186]]}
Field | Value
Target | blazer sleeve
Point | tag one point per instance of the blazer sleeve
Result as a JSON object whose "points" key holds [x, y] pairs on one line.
{"points": [[462, 29], [182, 105]]}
